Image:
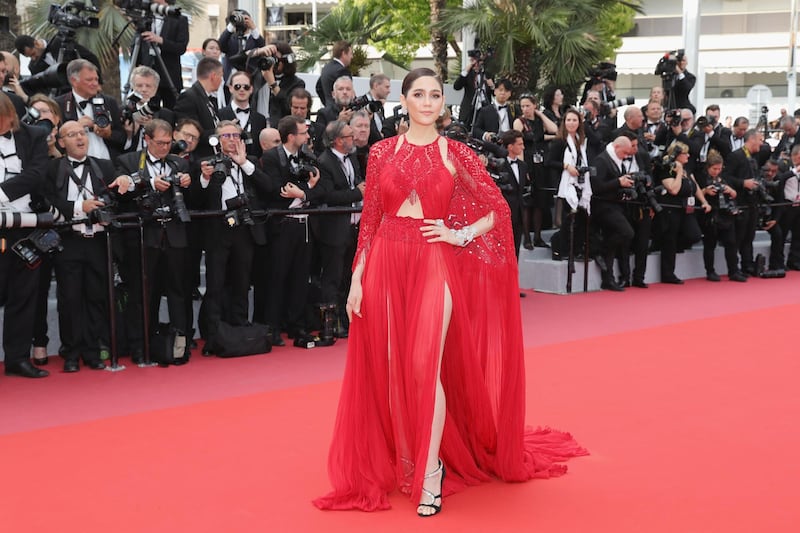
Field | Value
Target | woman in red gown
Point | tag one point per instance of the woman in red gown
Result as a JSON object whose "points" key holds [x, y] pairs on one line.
{"points": [[435, 381]]}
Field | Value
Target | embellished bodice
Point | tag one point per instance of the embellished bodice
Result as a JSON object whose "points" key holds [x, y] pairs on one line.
{"points": [[417, 174]]}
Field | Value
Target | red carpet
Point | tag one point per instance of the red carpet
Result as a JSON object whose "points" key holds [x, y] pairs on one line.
{"points": [[685, 396]]}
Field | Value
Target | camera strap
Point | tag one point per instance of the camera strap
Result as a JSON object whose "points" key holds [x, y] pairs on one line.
{"points": [[81, 182]]}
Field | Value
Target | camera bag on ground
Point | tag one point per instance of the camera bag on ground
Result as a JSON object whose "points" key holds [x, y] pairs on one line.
{"points": [[162, 340], [238, 341]]}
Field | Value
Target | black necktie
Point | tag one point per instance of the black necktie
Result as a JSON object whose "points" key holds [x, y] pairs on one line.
{"points": [[83, 103], [7, 134], [76, 164], [213, 99]]}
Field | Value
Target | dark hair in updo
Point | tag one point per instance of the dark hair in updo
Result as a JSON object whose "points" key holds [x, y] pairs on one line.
{"points": [[416, 74]]}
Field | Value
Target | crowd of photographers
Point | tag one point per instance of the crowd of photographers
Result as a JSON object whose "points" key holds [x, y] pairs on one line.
{"points": [[133, 194], [630, 180]]}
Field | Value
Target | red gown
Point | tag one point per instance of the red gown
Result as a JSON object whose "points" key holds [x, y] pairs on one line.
{"points": [[383, 424]]}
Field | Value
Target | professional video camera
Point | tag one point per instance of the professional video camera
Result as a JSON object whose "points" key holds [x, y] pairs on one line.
{"points": [[307, 165], [362, 101], [603, 71], [727, 205], [71, 15], [481, 56], [644, 190], [666, 65], [132, 111]]}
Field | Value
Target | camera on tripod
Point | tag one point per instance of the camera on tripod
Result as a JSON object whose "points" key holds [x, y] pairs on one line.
{"points": [[307, 165], [667, 64], [71, 15], [480, 56], [132, 111]]}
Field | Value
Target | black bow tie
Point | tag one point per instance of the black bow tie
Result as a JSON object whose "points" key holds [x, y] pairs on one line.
{"points": [[502, 107], [628, 159], [513, 161], [157, 162], [7, 134], [76, 164], [293, 159], [83, 103], [243, 110]]}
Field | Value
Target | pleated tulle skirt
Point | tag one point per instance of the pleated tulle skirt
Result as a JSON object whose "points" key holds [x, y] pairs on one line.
{"points": [[383, 427]]}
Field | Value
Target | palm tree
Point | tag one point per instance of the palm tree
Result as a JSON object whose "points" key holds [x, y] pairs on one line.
{"points": [[558, 40], [112, 35], [357, 23]]}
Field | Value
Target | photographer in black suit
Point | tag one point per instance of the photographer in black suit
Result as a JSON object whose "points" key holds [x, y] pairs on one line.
{"points": [[165, 179], [608, 212], [341, 184], [199, 102], [240, 27], [140, 108], [98, 113], [44, 54], [240, 111], [294, 186], [230, 241], [171, 34], [23, 150], [498, 117], [78, 185], [342, 55], [517, 178]]}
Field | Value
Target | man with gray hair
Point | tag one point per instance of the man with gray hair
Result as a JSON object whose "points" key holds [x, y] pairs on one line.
{"points": [[342, 184], [98, 113], [339, 108], [140, 109]]}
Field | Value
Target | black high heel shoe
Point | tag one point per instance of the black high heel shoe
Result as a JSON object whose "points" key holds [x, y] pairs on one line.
{"points": [[436, 508]]}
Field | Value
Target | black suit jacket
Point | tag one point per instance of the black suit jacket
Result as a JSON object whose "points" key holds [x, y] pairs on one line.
{"points": [[154, 233], [229, 45], [194, 103], [58, 179], [253, 127], [115, 143], [513, 194], [333, 230], [488, 119], [330, 73], [606, 189], [279, 102], [738, 167], [682, 89], [31, 148], [466, 109], [276, 167], [175, 32]]}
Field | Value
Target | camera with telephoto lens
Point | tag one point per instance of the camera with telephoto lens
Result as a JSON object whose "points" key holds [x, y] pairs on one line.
{"points": [[238, 211], [222, 163], [134, 110], [178, 147], [363, 101], [71, 15], [177, 205], [237, 20], [143, 8], [643, 189], [606, 107], [727, 205], [480, 56], [307, 165], [458, 132], [504, 180], [102, 118], [673, 118], [603, 71]]}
